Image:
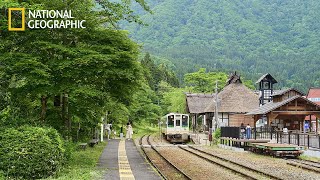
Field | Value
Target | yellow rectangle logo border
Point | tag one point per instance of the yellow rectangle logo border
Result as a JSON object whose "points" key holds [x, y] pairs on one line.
{"points": [[23, 19]]}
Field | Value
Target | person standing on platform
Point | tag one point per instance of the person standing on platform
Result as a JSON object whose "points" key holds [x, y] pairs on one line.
{"points": [[121, 132], [114, 134], [108, 130], [129, 131], [242, 131], [248, 131]]}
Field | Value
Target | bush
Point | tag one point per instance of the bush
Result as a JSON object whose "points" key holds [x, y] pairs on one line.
{"points": [[70, 147], [1, 175], [30, 152], [217, 133]]}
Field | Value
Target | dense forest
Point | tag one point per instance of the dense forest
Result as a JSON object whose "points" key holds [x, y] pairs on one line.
{"points": [[59, 86], [251, 36]]}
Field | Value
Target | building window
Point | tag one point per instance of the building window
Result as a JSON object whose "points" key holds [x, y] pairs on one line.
{"points": [[267, 94], [266, 85]]}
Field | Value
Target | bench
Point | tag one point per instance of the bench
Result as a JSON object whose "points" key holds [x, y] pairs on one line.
{"points": [[83, 146], [93, 142]]}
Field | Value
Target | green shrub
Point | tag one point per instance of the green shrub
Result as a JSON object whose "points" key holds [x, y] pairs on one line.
{"points": [[1, 175], [30, 152], [70, 147], [217, 134]]}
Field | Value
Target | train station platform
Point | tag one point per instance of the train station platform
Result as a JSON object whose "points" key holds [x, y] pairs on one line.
{"points": [[200, 138], [122, 160]]}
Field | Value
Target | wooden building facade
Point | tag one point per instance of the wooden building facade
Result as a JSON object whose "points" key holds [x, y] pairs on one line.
{"points": [[314, 96], [195, 105], [287, 110], [234, 101]]}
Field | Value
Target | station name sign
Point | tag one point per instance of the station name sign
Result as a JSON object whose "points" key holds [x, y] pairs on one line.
{"points": [[45, 19]]}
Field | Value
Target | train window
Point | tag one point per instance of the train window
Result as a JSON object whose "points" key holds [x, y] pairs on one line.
{"points": [[178, 122], [184, 121], [170, 121]]}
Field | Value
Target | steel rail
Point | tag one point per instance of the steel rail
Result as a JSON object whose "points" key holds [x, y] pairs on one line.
{"points": [[140, 140], [150, 161], [316, 162], [307, 162], [303, 165], [238, 164], [219, 164], [174, 166]]}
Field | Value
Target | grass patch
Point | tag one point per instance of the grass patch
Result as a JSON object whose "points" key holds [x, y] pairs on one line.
{"points": [[309, 158], [144, 128], [82, 164]]}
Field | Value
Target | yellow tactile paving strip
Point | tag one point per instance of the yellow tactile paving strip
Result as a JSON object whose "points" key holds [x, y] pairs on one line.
{"points": [[125, 172]]}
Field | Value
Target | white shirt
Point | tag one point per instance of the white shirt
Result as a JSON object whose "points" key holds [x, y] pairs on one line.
{"points": [[108, 126]]}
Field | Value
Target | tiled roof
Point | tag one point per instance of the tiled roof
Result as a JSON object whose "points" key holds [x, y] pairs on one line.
{"points": [[314, 93], [274, 105], [271, 106], [281, 92]]}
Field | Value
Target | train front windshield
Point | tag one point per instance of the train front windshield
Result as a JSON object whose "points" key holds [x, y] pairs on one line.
{"points": [[184, 121], [170, 121]]}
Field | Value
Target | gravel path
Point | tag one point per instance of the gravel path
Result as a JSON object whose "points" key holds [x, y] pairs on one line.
{"points": [[275, 166], [236, 167], [163, 166], [196, 167]]}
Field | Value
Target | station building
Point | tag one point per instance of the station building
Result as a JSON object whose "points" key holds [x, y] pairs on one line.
{"points": [[195, 105], [314, 96], [234, 101], [266, 107], [287, 109]]}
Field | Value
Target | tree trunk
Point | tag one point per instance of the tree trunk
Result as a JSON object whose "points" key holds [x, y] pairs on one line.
{"points": [[65, 114], [44, 100]]}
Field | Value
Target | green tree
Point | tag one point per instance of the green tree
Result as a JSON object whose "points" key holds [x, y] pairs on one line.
{"points": [[79, 69], [175, 101], [251, 37], [201, 81]]}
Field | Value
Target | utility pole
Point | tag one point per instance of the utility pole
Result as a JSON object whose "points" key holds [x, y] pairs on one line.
{"points": [[214, 122], [159, 120], [216, 108]]}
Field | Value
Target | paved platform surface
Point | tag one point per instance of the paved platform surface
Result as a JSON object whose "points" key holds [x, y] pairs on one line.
{"points": [[122, 160], [200, 138]]}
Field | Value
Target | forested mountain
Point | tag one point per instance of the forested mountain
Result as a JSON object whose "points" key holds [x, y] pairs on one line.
{"points": [[254, 37]]}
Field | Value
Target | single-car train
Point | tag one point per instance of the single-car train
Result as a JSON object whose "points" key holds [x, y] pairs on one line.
{"points": [[175, 127]]}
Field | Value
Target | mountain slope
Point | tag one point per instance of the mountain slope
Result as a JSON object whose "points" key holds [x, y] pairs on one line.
{"points": [[251, 36]]}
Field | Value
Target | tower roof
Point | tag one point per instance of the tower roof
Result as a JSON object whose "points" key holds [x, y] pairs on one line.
{"points": [[267, 77], [234, 78]]}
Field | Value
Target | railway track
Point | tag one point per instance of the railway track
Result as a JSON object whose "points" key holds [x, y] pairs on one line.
{"points": [[235, 167], [305, 164], [165, 168], [145, 153]]}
